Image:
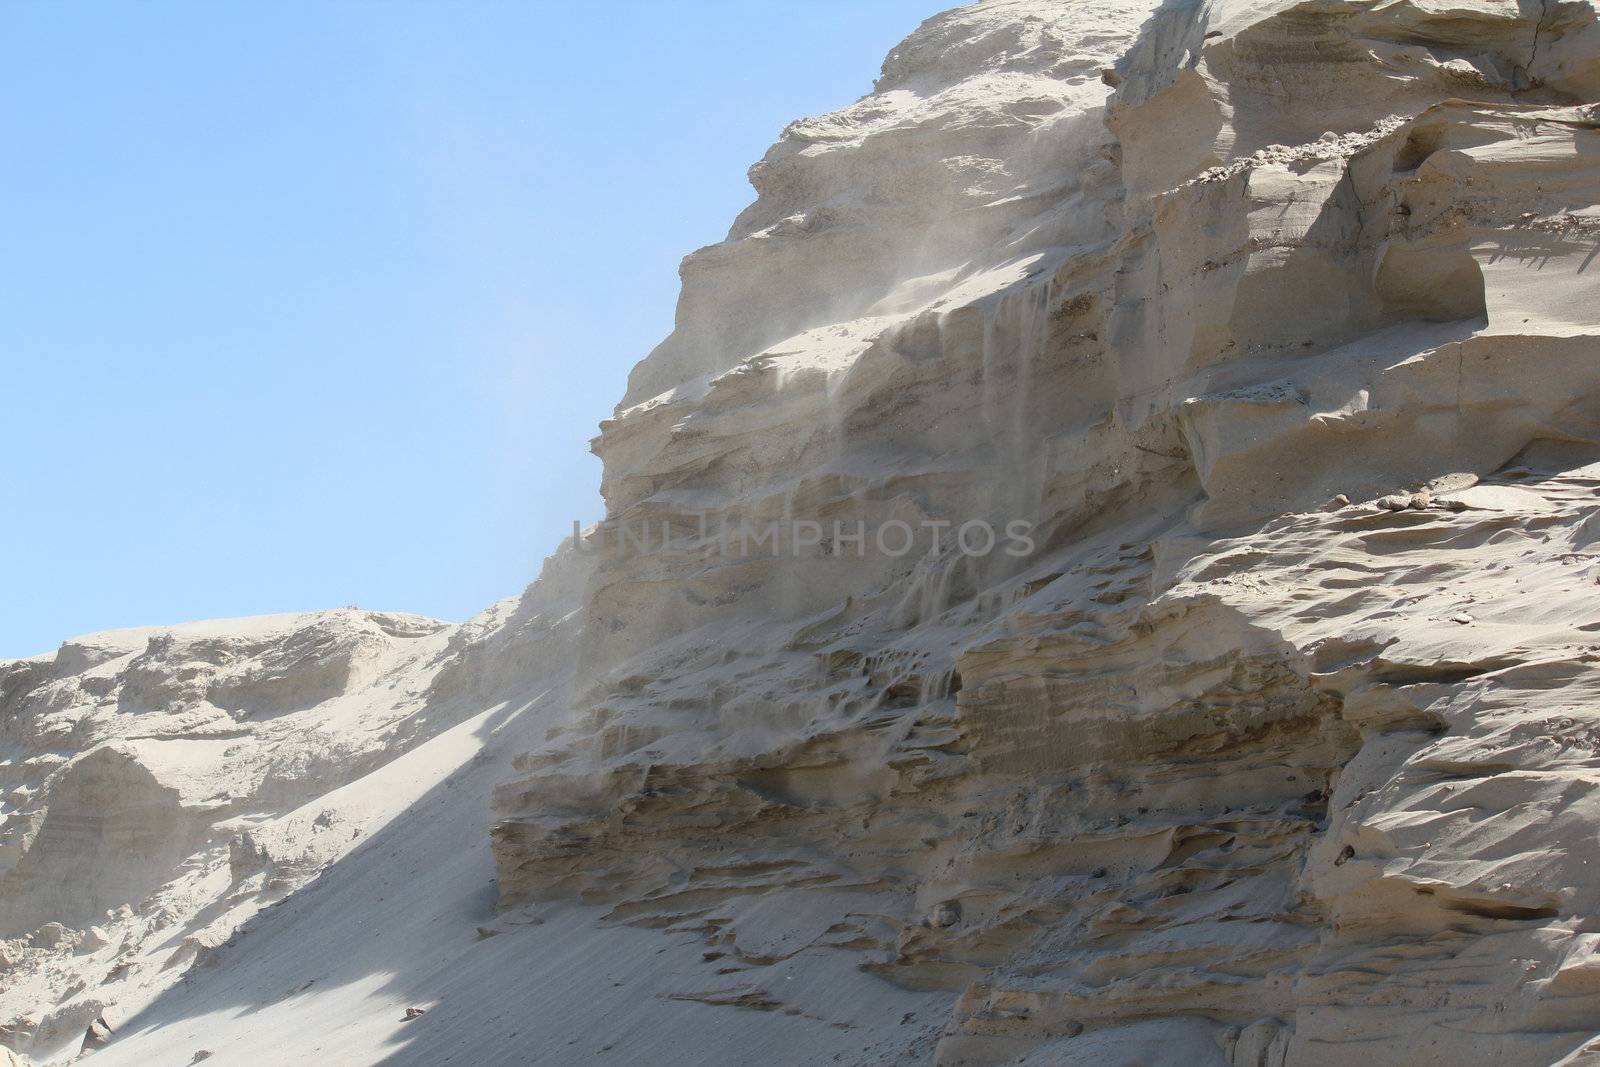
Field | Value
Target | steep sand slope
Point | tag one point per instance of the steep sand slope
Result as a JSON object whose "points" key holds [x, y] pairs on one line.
{"points": [[327, 976], [1274, 324], [166, 789]]}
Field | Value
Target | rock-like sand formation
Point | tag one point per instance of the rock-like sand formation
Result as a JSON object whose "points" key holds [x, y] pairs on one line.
{"points": [[1272, 328]]}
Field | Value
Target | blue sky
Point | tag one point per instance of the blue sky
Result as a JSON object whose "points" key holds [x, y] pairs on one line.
{"points": [[312, 304]]}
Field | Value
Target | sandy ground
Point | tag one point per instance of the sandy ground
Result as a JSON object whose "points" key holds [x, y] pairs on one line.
{"points": [[328, 975]]}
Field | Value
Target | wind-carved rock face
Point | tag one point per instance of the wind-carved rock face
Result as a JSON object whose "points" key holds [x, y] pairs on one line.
{"points": [[1224, 765], [1233, 369]]}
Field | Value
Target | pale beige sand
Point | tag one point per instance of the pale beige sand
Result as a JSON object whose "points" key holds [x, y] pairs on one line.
{"points": [[1277, 321]]}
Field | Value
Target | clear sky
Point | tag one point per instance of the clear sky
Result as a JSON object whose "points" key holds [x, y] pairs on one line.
{"points": [[313, 304]]}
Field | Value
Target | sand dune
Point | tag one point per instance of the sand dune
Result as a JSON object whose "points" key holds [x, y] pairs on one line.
{"points": [[1271, 324]]}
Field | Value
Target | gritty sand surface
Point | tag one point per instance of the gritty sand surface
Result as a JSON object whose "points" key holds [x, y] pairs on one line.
{"points": [[1273, 322]]}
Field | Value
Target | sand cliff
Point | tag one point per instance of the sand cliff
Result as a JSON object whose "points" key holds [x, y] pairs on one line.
{"points": [[1273, 325]]}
